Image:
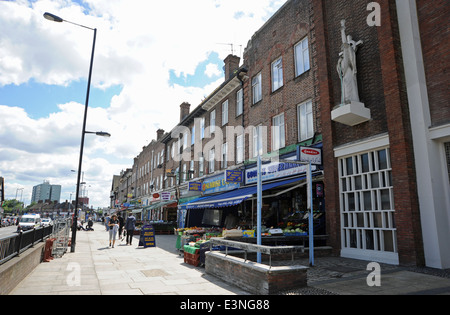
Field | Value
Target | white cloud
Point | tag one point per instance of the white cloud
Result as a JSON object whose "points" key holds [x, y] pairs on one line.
{"points": [[212, 70], [138, 43]]}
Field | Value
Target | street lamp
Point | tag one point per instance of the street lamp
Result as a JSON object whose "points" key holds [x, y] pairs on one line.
{"points": [[55, 18]]}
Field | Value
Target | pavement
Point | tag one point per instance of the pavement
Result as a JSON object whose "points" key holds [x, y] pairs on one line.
{"points": [[96, 269]]}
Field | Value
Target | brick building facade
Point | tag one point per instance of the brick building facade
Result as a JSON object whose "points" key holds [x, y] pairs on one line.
{"points": [[385, 166]]}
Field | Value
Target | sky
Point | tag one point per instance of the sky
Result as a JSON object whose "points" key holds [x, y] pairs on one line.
{"points": [[150, 56]]}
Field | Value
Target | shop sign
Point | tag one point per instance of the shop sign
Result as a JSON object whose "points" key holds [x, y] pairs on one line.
{"points": [[275, 170], [234, 176], [147, 237], [218, 184], [307, 154], [165, 196], [195, 186]]}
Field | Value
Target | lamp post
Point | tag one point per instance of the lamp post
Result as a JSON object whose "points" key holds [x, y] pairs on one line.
{"points": [[55, 18]]}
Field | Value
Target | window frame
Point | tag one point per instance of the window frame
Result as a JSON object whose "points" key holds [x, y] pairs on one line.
{"points": [[257, 88], [301, 55], [239, 103], [225, 113], [277, 74], [309, 120], [278, 132]]}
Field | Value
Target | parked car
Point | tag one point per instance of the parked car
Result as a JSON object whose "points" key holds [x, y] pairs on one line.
{"points": [[29, 222], [47, 222]]}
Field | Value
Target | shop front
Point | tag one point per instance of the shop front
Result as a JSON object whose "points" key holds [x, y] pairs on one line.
{"points": [[284, 208]]}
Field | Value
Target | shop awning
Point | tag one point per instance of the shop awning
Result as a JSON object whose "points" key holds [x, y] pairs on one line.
{"points": [[234, 197], [159, 204], [136, 211]]}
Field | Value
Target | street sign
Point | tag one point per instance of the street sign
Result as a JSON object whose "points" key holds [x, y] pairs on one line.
{"points": [[308, 154]]}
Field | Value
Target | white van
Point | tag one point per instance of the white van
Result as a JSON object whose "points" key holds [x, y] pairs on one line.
{"points": [[29, 222]]}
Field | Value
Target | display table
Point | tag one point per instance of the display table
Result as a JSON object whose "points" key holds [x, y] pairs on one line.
{"points": [[279, 240]]}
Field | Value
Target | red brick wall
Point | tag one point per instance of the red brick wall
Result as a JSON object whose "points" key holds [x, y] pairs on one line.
{"points": [[433, 15], [277, 39], [382, 90]]}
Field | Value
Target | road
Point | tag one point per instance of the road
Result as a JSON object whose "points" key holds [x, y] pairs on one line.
{"points": [[8, 231]]}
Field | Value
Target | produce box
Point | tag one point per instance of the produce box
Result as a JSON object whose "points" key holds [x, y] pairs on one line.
{"points": [[191, 249], [248, 233], [232, 233]]}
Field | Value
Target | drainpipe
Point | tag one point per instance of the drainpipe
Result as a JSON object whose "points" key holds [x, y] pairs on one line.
{"points": [[244, 71]]}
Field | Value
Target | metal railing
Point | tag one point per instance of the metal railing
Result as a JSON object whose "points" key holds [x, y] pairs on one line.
{"points": [[14, 245], [247, 247]]}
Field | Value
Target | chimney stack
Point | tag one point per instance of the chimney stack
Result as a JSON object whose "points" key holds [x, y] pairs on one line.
{"points": [[184, 110], [159, 134], [231, 65]]}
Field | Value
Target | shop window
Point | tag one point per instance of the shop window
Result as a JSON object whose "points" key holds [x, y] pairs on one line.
{"points": [[367, 202]]}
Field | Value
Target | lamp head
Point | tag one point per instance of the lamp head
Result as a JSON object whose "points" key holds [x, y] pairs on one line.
{"points": [[52, 17]]}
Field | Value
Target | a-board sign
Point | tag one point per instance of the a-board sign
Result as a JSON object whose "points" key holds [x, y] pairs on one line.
{"points": [[147, 238]]}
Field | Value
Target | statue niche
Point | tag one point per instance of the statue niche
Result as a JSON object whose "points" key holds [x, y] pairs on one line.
{"points": [[350, 111]]}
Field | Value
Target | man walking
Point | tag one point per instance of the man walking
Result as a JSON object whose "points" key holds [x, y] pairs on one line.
{"points": [[130, 226]]}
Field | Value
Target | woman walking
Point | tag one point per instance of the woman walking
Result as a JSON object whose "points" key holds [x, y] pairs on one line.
{"points": [[113, 228]]}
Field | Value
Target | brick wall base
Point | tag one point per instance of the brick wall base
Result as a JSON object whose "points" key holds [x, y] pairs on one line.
{"points": [[16, 269], [253, 277]]}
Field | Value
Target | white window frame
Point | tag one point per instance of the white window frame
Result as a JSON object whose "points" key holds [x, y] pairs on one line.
{"points": [[202, 128], [193, 135], [257, 140], [212, 121], [239, 149], [201, 166], [301, 55], [211, 160], [257, 88], [239, 102], [225, 113], [305, 121], [278, 132], [277, 74], [224, 160], [191, 169], [367, 210]]}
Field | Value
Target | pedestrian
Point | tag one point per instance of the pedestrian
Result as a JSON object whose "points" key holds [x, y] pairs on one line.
{"points": [[121, 224], [113, 228], [130, 226], [107, 222]]}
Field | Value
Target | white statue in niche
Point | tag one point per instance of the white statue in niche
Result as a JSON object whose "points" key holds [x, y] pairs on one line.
{"points": [[346, 68]]}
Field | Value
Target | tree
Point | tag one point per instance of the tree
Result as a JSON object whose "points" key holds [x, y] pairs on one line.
{"points": [[12, 206]]}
